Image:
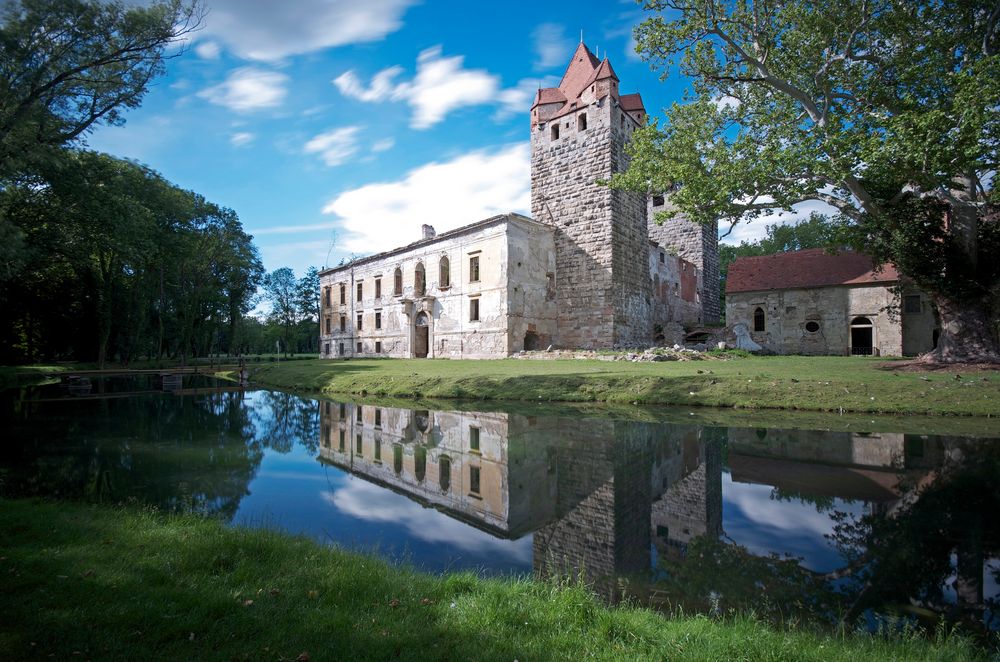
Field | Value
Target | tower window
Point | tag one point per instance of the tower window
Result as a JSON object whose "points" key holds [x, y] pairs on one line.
{"points": [[341, 348], [555, 131], [758, 319], [343, 324], [326, 297], [581, 122], [361, 291], [378, 288], [397, 284], [359, 322], [378, 347], [378, 320], [473, 310], [474, 269], [359, 348], [329, 327], [343, 294]]}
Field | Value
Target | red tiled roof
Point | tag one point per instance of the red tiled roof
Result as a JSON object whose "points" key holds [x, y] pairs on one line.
{"points": [[632, 102], [578, 73], [813, 267], [549, 95]]}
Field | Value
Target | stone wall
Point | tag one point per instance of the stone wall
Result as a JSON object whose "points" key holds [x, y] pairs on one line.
{"points": [[789, 315], [698, 244], [676, 284]]}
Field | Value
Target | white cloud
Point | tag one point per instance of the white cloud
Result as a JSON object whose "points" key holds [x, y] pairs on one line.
{"points": [[380, 89], [248, 89], [469, 188], [241, 138], [208, 50], [440, 86], [383, 145], [335, 146], [269, 30], [552, 46], [376, 504], [757, 230]]}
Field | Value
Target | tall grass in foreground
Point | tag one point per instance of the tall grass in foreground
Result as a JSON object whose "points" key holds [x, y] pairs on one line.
{"points": [[93, 582]]}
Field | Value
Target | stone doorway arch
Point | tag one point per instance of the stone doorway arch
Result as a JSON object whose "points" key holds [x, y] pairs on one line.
{"points": [[421, 335], [862, 337]]}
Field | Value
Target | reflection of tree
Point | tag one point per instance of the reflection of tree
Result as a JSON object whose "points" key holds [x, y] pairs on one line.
{"points": [[282, 420], [906, 556], [171, 452], [823, 504], [716, 575]]}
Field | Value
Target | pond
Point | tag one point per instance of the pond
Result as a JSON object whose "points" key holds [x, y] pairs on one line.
{"points": [[854, 525]]}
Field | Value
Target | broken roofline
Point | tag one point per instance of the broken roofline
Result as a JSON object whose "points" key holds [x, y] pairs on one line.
{"points": [[457, 232]]}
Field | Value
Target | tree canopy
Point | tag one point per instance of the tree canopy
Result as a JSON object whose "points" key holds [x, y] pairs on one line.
{"points": [[66, 65], [884, 109]]}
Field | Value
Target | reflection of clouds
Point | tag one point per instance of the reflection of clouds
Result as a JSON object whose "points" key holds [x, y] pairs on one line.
{"points": [[764, 525], [376, 504]]}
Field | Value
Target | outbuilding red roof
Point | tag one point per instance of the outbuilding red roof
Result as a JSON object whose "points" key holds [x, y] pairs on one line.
{"points": [[812, 267]]}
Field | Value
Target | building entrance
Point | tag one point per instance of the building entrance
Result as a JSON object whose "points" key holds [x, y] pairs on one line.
{"points": [[421, 340]]}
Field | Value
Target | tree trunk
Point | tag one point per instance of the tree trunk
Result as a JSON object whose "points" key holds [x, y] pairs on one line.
{"points": [[967, 332]]}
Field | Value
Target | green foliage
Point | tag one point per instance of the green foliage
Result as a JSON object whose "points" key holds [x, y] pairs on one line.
{"points": [[119, 262], [66, 65], [138, 584], [881, 109]]}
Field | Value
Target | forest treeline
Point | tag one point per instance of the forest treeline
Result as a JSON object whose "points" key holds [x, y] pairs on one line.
{"points": [[101, 258]]}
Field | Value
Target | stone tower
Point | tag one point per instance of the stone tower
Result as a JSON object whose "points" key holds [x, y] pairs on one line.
{"points": [[578, 135]]}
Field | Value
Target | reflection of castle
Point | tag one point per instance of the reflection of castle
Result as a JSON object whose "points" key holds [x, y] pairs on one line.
{"points": [[609, 498], [595, 492]]}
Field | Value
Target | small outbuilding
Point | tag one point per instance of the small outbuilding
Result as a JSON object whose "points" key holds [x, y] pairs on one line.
{"points": [[813, 302]]}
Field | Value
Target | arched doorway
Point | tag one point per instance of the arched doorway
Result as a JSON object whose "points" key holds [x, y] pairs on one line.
{"points": [[421, 340], [862, 337]]}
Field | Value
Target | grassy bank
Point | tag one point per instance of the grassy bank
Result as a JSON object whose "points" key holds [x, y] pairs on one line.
{"points": [[851, 384], [88, 582]]}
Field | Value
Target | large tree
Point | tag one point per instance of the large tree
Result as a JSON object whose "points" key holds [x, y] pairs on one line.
{"points": [[887, 110], [66, 65]]}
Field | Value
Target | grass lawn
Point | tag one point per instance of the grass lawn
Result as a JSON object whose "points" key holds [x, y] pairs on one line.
{"points": [[826, 383], [99, 582]]}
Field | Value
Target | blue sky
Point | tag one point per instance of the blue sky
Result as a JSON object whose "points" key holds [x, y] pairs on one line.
{"points": [[335, 127]]}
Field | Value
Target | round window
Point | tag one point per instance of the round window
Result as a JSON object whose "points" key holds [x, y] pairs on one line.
{"points": [[812, 327]]}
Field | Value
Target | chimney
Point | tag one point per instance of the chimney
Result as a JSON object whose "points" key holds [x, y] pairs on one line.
{"points": [[428, 231]]}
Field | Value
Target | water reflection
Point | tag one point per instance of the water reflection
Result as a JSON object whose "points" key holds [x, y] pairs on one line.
{"points": [[792, 523], [829, 526]]}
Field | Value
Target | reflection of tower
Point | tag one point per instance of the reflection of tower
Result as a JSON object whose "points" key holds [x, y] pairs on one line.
{"points": [[692, 505], [604, 495]]}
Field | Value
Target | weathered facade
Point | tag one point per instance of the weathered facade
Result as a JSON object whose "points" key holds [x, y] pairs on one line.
{"points": [[480, 291], [591, 270], [813, 303]]}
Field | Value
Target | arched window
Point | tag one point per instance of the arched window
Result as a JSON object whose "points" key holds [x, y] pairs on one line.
{"points": [[444, 472], [397, 283], [419, 280], [444, 273], [420, 463], [758, 319]]}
